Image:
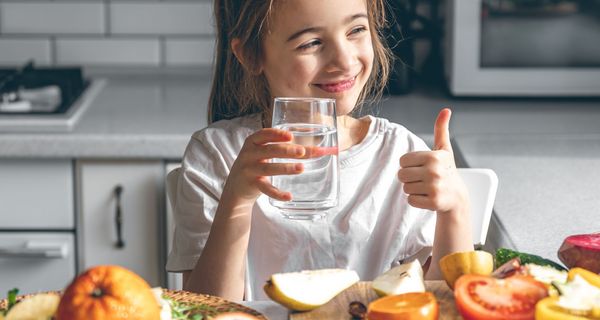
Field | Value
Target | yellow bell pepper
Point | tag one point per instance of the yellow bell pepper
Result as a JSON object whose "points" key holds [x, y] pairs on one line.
{"points": [[454, 265], [587, 275], [547, 309]]}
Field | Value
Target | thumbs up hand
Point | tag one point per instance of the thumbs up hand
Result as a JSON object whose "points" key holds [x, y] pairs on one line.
{"points": [[430, 178]]}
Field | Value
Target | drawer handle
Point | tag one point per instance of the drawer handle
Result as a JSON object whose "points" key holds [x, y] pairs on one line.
{"points": [[119, 217], [34, 249]]}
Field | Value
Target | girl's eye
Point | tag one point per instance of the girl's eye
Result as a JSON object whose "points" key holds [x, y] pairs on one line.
{"points": [[311, 44], [358, 30]]}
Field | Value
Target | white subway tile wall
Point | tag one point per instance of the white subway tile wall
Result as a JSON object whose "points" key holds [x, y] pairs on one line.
{"points": [[149, 33], [18, 50]]}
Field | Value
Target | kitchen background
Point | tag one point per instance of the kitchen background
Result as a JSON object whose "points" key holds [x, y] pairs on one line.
{"points": [[73, 186], [100, 33]]}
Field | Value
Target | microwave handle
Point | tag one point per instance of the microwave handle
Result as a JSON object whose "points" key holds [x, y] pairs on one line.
{"points": [[35, 249]]}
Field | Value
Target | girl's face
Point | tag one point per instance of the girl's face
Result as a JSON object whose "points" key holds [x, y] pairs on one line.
{"points": [[319, 48]]}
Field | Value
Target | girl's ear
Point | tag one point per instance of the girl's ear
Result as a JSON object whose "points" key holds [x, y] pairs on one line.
{"points": [[236, 48]]}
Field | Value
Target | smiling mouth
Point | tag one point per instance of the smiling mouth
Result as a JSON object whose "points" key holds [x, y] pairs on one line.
{"points": [[335, 87]]}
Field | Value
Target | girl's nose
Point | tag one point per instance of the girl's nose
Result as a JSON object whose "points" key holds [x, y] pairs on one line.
{"points": [[341, 57]]}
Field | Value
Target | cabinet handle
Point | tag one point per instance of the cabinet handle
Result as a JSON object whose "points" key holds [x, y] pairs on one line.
{"points": [[119, 217], [35, 249]]}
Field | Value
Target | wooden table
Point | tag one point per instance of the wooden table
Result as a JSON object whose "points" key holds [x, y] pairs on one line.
{"points": [[338, 306]]}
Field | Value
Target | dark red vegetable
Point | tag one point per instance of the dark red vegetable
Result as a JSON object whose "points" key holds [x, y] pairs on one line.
{"points": [[582, 250]]}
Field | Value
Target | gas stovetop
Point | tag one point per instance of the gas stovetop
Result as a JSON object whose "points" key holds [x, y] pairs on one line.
{"points": [[31, 90], [43, 99]]}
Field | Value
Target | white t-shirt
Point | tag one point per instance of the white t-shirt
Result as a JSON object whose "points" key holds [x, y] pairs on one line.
{"points": [[372, 229]]}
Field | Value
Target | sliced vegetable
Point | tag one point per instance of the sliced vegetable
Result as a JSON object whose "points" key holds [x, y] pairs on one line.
{"points": [[484, 297], [547, 309], [582, 250], [457, 264], [579, 297], [407, 306], [592, 278], [545, 274], [503, 255]]}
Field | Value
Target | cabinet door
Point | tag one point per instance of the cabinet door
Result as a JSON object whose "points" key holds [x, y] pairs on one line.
{"points": [[137, 245], [36, 194], [36, 261]]}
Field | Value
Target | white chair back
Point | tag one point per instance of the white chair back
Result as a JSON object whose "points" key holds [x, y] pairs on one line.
{"points": [[482, 185], [172, 180], [174, 280]]}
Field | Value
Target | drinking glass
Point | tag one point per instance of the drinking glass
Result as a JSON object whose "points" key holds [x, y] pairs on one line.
{"points": [[312, 122]]}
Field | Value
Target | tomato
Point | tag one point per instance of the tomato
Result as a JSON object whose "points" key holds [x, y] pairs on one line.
{"points": [[406, 306], [547, 309], [484, 297]]}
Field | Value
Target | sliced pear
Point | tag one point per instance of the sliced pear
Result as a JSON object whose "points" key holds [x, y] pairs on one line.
{"points": [[38, 307], [404, 278], [307, 290]]}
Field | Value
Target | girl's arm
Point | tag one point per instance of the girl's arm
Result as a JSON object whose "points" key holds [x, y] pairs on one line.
{"points": [[220, 270], [432, 182]]}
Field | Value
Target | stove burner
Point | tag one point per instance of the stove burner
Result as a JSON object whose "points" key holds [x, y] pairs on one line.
{"points": [[47, 90]]}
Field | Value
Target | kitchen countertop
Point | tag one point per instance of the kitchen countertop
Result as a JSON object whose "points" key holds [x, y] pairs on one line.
{"points": [[548, 187], [132, 117], [544, 151]]}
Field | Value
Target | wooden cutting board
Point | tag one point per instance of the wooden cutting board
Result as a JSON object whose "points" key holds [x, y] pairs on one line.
{"points": [[337, 308]]}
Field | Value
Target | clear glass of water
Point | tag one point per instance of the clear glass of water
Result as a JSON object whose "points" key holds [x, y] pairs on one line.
{"points": [[312, 121]]}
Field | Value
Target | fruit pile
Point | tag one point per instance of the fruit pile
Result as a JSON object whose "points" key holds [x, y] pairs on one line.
{"points": [[109, 292], [517, 286]]}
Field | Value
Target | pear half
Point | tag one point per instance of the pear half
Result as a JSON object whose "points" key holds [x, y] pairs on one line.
{"points": [[307, 290], [404, 278], [39, 306]]}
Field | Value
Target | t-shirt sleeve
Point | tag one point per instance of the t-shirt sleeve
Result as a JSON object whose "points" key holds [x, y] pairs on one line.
{"points": [[202, 177]]}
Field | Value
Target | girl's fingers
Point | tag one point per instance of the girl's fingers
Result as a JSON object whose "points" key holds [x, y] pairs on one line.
{"points": [[270, 135], [420, 201], [419, 188], [281, 150], [415, 159], [277, 169], [268, 189], [411, 174]]}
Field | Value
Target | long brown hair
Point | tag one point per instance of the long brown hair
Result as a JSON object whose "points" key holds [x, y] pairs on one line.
{"points": [[238, 91]]}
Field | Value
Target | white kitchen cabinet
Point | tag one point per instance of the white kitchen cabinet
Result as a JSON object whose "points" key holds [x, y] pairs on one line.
{"points": [[36, 261], [140, 200], [36, 194]]}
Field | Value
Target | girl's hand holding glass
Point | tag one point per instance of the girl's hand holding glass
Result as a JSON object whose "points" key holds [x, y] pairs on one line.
{"points": [[249, 176]]}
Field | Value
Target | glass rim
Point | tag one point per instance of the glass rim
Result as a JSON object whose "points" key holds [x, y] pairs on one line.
{"points": [[304, 99]]}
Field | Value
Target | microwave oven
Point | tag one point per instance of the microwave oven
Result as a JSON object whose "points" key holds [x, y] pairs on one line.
{"points": [[523, 48]]}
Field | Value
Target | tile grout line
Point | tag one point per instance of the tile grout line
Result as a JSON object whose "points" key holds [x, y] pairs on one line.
{"points": [[53, 51], [162, 51], [107, 18]]}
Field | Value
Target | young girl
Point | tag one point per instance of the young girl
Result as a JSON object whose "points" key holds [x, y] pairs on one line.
{"points": [[228, 238]]}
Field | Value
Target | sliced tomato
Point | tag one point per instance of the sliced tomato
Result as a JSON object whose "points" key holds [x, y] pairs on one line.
{"points": [[483, 297]]}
